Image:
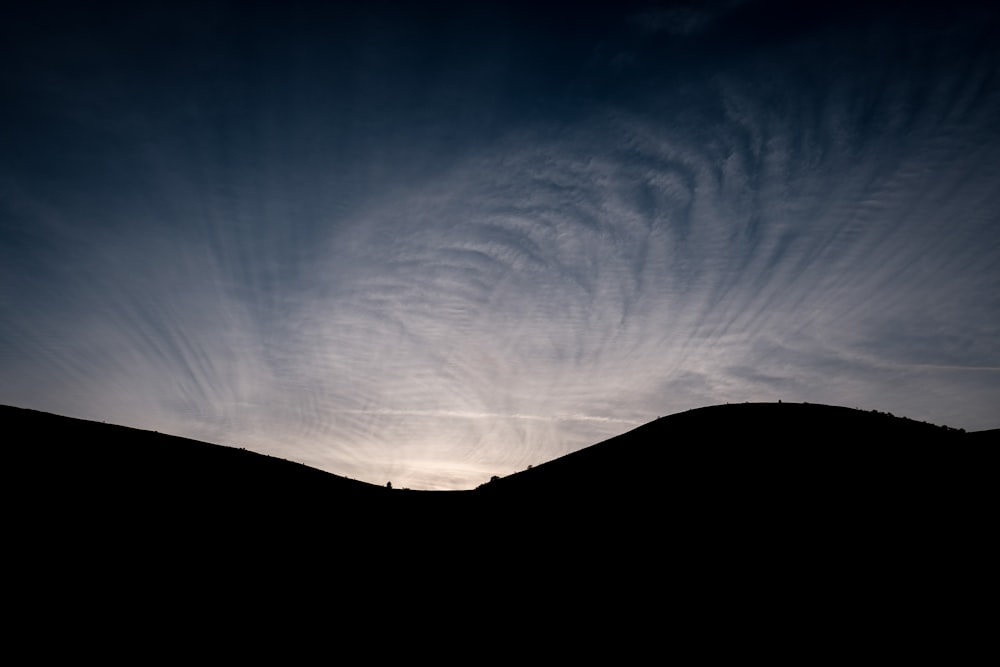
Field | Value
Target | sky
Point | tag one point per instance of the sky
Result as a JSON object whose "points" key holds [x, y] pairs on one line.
{"points": [[433, 242]]}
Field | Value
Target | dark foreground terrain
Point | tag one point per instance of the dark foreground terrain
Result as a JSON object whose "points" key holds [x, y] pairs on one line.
{"points": [[808, 519]]}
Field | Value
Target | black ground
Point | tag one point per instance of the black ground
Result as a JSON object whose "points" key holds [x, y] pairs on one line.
{"points": [[804, 519]]}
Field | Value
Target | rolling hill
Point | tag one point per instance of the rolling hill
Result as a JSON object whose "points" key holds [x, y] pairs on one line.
{"points": [[779, 460], [738, 446], [780, 526]]}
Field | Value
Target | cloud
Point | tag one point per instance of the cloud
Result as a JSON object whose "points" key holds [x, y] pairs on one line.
{"points": [[684, 19], [806, 222]]}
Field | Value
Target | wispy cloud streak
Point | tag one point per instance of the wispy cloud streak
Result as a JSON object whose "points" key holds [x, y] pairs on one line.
{"points": [[811, 218]]}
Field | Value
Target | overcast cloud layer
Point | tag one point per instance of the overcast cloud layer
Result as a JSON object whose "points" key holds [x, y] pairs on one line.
{"points": [[433, 245]]}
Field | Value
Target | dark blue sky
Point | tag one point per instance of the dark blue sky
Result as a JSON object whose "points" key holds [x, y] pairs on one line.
{"points": [[436, 242]]}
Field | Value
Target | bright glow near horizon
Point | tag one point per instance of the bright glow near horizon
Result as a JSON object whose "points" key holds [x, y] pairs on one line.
{"points": [[421, 255]]}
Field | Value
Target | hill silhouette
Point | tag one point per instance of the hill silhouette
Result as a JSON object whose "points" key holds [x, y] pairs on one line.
{"points": [[745, 449], [730, 516], [784, 463]]}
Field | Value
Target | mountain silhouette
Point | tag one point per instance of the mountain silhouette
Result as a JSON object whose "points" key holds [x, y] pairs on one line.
{"points": [[751, 451], [727, 516]]}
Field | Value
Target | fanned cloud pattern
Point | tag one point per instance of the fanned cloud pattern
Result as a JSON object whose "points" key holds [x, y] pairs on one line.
{"points": [[431, 247]]}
